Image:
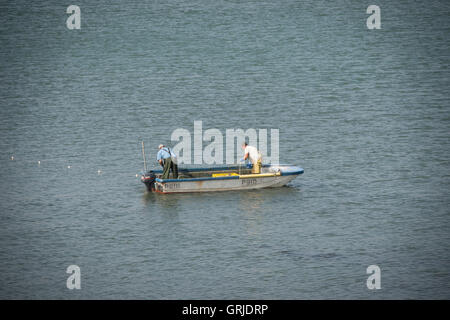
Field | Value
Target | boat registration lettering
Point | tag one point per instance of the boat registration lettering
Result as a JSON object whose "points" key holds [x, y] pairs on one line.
{"points": [[175, 185], [249, 182]]}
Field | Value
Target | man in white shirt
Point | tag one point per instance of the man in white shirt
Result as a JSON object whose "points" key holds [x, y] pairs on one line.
{"points": [[254, 155]]}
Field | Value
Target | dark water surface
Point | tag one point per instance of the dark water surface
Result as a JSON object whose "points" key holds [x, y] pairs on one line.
{"points": [[364, 112]]}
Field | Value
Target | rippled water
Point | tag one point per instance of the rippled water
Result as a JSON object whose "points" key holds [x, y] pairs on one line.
{"points": [[364, 112]]}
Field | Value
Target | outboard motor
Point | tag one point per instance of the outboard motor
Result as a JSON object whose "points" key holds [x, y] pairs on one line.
{"points": [[148, 179]]}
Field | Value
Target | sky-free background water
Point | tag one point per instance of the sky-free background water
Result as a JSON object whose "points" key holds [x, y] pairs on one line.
{"points": [[364, 112]]}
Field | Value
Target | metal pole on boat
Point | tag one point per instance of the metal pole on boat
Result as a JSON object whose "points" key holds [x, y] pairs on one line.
{"points": [[143, 155]]}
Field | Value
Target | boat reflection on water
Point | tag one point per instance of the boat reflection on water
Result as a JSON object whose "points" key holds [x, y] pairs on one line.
{"points": [[247, 200], [247, 212]]}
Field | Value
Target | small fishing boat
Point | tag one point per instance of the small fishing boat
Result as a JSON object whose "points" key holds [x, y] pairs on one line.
{"points": [[220, 179]]}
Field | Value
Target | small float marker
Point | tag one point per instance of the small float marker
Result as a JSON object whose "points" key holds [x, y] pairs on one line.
{"points": [[99, 172], [137, 175], [12, 157], [68, 167], [39, 162]]}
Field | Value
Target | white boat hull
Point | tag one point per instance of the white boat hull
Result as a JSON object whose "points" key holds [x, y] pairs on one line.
{"points": [[271, 176], [222, 185]]}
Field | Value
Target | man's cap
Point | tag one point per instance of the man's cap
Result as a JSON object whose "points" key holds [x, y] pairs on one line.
{"points": [[160, 146]]}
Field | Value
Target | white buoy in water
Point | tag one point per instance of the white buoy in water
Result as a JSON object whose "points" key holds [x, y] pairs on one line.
{"points": [[99, 172], [137, 175], [68, 167], [12, 157], [39, 162]]}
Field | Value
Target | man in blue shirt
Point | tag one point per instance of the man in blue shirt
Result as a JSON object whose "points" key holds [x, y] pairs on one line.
{"points": [[167, 159]]}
